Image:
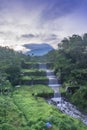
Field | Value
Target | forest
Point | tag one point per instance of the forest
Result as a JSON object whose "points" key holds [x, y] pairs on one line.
{"points": [[70, 65]]}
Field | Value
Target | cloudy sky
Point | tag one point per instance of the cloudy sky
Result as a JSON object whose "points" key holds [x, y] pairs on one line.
{"points": [[40, 21]]}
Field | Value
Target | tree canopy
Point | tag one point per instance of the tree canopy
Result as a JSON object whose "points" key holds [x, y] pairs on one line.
{"points": [[70, 65]]}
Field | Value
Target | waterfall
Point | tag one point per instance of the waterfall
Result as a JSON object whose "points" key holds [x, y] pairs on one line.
{"points": [[53, 81], [63, 105]]}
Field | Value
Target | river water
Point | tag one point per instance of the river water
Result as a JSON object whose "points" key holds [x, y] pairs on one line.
{"points": [[61, 103]]}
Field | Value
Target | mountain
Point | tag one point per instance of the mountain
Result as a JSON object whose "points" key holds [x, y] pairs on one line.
{"points": [[38, 49]]}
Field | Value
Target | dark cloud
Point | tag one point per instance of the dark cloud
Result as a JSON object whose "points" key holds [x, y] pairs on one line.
{"points": [[27, 36], [2, 32], [51, 37]]}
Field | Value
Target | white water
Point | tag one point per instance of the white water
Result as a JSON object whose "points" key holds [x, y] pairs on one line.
{"points": [[63, 105]]}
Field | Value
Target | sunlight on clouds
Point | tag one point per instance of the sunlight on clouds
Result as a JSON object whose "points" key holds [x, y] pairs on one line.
{"points": [[24, 22]]}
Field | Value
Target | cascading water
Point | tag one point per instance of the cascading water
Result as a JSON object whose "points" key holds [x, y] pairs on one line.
{"points": [[53, 83], [63, 105]]}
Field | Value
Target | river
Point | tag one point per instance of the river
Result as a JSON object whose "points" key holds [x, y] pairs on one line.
{"points": [[60, 102]]}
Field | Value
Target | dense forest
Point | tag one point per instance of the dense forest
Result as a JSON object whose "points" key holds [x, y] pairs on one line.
{"points": [[70, 65], [10, 67]]}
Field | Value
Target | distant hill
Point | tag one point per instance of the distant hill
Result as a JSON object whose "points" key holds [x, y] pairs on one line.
{"points": [[38, 49]]}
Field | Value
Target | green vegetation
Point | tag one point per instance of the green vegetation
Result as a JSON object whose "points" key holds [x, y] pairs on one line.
{"points": [[30, 65], [34, 72], [24, 107], [29, 80], [34, 78], [10, 65], [10, 115], [41, 91], [70, 65], [24, 111]]}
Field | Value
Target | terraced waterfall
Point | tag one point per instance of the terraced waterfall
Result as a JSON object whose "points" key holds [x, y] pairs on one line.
{"points": [[61, 103], [53, 82]]}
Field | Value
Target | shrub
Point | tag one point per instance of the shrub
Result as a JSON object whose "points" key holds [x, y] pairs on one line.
{"points": [[7, 126]]}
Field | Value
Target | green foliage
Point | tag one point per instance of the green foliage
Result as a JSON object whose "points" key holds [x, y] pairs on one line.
{"points": [[8, 57], [34, 78], [30, 80], [5, 85], [10, 65], [41, 91], [13, 74], [38, 112], [10, 115], [7, 126], [30, 65], [31, 72], [80, 98], [24, 111], [70, 64]]}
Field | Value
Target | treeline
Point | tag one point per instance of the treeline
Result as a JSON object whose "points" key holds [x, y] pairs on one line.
{"points": [[70, 64], [10, 67]]}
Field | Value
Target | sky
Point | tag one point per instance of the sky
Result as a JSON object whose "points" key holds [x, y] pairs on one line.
{"points": [[40, 21]]}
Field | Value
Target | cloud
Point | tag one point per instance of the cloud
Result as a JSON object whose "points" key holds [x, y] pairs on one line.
{"points": [[45, 37], [58, 8], [52, 37], [49, 37], [28, 36], [36, 21]]}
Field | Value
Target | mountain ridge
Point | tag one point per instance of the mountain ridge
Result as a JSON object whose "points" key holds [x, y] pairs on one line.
{"points": [[38, 49]]}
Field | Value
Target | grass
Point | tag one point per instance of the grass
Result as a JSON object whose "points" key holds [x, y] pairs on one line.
{"points": [[37, 110], [24, 111], [29, 80], [32, 70], [62, 89], [40, 89], [34, 78], [31, 63], [10, 114]]}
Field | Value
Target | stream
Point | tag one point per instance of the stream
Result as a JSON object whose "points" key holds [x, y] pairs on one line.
{"points": [[60, 102]]}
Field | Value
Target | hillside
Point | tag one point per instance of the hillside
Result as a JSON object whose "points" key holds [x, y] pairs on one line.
{"points": [[70, 65], [38, 49], [24, 106], [22, 111]]}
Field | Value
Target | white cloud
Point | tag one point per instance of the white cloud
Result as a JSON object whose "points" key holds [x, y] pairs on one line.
{"points": [[19, 20]]}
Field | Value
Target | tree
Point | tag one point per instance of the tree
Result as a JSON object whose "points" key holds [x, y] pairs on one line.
{"points": [[14, 73]]}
